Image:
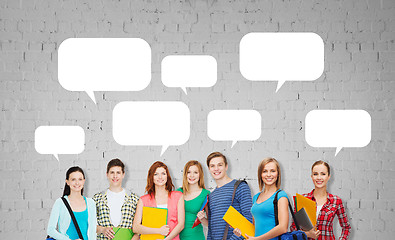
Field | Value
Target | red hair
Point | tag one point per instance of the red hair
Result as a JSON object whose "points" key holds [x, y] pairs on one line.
{"points": [[150, 188]]}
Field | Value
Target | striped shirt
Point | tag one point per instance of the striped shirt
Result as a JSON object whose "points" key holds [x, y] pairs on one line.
{"points": [[218, 203]]}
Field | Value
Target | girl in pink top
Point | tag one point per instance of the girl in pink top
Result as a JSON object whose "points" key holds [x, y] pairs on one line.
{"points": [[160, 193]]}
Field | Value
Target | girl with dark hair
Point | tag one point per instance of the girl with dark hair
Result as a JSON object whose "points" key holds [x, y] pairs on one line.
{"points": [[161, 194], [60, 225], [328, 206]]}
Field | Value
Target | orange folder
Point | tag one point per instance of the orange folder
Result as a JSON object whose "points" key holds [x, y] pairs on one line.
{"points": [[154, 218], [309, 205], [236, 220]]}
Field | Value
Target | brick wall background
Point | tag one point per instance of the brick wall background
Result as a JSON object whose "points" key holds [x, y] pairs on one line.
{"points": [[359, 74]]}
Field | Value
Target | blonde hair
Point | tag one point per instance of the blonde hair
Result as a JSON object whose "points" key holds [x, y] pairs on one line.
{"points": [[260, 170], [184, 177]]}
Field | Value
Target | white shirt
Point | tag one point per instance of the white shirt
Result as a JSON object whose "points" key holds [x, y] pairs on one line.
{"points": [[318, 210], [115, 202], [162, 206]]}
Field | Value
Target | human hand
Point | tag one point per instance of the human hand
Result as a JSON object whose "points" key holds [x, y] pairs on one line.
{"points": [[108, 232], [237, 232], [201, 215], [164, 230], [313, 233]]}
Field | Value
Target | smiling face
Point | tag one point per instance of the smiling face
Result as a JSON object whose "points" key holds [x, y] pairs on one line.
{"points": [[76, 181], [270, 174], [193, 175], [320, 176], [115, 176], [218, 168], [160, 177]]}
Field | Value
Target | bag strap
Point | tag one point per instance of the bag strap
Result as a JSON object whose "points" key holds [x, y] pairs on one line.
{"points": [[237, 183], [73, 218], [275, 203]]}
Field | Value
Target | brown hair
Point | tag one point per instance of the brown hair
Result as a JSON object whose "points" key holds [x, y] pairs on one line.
{"points": [[260, 170], [115, 163], [150, 188], [214, 155], [319, 162], [184, 177]]}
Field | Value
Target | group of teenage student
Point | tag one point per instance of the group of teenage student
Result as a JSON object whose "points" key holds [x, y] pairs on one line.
{"points": [[116, 207]]}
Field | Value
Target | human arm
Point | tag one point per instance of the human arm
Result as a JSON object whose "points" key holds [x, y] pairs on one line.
{"points": [[53, 222], [282, 226], [140, 229], [343, 220], [180, 219]]}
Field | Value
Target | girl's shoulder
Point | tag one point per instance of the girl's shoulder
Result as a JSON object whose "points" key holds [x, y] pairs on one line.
{"points": [[205, 191], [282, 193], [176, 194]]}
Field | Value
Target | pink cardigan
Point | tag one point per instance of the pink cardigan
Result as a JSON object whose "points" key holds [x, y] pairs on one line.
{"points": [[172, 203]]}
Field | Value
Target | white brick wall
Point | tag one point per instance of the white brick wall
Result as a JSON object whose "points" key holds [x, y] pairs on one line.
{"points": [[359, 74]]}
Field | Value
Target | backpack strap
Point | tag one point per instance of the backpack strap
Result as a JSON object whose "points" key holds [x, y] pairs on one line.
{"points": [[237, 183], [275, 203], [73, 218]]}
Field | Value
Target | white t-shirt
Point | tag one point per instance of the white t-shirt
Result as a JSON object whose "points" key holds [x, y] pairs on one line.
{"points": [[318, 210], [115, 202], [162, 206]]}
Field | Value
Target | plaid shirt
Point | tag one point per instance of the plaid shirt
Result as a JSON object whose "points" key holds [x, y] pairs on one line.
{"points": [[333, 206], [128, 210]]}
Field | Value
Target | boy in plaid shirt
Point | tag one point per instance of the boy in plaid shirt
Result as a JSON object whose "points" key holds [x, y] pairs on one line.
{"points": [[115, 206]]}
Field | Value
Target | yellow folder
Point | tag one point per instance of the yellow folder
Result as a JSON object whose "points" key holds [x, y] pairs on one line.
{"points": [[236, 220], [154, 218], [309, 205]]}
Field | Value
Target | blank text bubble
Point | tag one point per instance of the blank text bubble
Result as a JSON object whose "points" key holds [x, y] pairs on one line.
{"points": [[338, 128], [151, 123], [234, 125], [59, 140], [189, 71], [104, 64], [281, 57]]}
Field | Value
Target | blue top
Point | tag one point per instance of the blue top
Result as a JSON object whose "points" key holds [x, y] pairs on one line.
{"points": [[60, 220], [82, 220], [264, 213], [218, 203]]}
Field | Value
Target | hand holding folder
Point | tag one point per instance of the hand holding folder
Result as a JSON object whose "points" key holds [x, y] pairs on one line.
{"points": [[236, 220], [197, 221], [154, 218]]}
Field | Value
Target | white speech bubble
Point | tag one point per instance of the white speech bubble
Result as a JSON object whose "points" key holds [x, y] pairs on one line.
{"points": [[281, 57], [189, 71], [151, 123], [59, 140], [234, 125], [104, 64], [338, 128]]}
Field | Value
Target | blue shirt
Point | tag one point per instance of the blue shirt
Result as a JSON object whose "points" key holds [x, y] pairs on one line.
{"points": [[218, 203], [82, 220], [264, 213]]}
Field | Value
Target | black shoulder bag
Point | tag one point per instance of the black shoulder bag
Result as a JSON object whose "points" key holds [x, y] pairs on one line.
{"points": [[295, 235], [72, 217], [237, 183]]}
